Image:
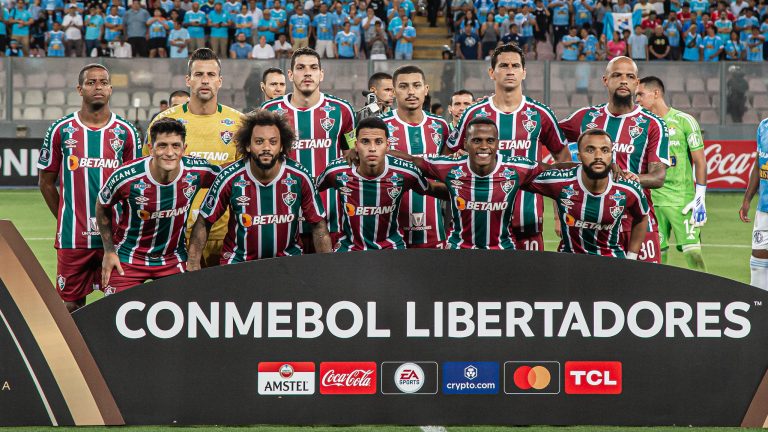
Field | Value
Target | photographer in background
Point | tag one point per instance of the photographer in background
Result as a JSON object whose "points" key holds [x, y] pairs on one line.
{"points": [[379, 97]]}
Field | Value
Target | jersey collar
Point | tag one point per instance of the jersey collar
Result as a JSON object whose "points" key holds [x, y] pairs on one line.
{"points": [[155, 182], [287, 100], [523, 101], [635, 111], [423, 119], [259, 183], [499, 161], [86, 128], [580, 169]]}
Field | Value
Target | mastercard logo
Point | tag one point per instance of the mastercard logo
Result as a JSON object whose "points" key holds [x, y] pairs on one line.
{"points": [[537, 377], [569, 220], [246, 220], [350, 209], [461, 204], [73, 162]]}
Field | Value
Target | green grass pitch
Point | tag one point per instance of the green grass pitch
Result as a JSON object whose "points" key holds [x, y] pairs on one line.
{"points": [[726, 248]]}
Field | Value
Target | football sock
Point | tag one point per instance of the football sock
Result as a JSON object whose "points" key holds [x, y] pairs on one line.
{"points": [[759, 267], [694, 259]]}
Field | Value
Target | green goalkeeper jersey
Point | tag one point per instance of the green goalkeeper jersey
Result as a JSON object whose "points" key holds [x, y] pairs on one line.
{"points": [[684, 138]]}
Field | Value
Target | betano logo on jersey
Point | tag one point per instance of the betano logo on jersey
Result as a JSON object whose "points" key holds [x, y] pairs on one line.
{"points": [[309, 144], [463, 204], [514, 144], [578, 223], [623, 148], [211, 156], [247, 220], [368, 211], [74, 162], [161, 214]]}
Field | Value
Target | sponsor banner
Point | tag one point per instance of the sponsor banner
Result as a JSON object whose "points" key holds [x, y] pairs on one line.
{"points": [[348, 378], [728, 162], [408, 378], [470, 377], [286, 378], [531, 377], [593, 377], [18, 161]]}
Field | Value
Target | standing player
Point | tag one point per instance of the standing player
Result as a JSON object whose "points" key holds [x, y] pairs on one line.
{"points": [[417, 132], [683, 192], [758, 182], [150, 200], [266, 192], [210, 129], [372, 191], [524, 126], [483, 185], [639, 137], [460, 101], [591, 201], [81, 150], [323, 123], [273, 83]]}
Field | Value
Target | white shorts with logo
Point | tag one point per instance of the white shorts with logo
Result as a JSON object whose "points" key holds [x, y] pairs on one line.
{"points": [[760, 231]]}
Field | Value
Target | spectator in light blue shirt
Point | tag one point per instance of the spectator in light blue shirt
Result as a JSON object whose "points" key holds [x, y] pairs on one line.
{"points": [[113, 25], [178, 40], [713, 46], [158, 34], [93, 25], [724, 27], [582, 12], [322, 25], [244, 23], [195, 22], [56, 41], [279, 16], [588, 45], [232, 7], [571, 45], [240, 49], [22, 20], [298, 28], [405, 36], [266, 27], [135, 21], [755, 46], [219, 21], [346, 46], [561, 18], [746, 22], [339, 17], [734, 48], [692, 44], [14, 50]]}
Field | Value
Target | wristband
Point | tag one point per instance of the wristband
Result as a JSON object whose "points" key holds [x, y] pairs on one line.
{"points": [[631, 255]]}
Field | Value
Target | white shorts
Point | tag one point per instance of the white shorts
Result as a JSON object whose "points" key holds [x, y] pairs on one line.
{"points": [[760, 231], [324, 47]]}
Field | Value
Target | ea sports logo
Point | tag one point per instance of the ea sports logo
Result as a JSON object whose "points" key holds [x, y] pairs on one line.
{"points": [[286, 371], [537, 377], [460, 203], [143, 215], [409, 378], [350, 209], [73, 162]]}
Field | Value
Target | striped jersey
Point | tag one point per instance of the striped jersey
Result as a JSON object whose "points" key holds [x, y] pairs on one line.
{"points": [[371, 205], [482, 205], [264, 217], [84, 159], [591, 223], [421, 216], [209, 137], [152, 217], [321, 136], [639, 138], [521, 133]]}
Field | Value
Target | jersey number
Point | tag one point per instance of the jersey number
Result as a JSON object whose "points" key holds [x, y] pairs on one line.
{"points": [[531, 245], [647, 251]]}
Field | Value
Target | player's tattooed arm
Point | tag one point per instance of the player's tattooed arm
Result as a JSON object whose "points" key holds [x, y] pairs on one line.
{"points": [[47, 183], [110, 261], [655, 176], [636, 238], [321, 237], [197, 240]]}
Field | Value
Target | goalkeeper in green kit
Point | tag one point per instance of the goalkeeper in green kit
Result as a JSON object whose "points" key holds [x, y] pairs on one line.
{"points": [[679, 204]]}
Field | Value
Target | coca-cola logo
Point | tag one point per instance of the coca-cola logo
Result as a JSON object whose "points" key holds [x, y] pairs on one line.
{"points": [[348, 378], [729, 163]]}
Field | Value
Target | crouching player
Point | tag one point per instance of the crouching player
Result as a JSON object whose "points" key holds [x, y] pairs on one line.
{"points": [[266, 192], [372, 191], [591, 201], [149, 199]]}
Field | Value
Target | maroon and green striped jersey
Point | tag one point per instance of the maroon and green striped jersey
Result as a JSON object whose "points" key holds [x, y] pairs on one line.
{"points": [[84, 158], [591, 223], [421, 216], [264, 218], [151, 217], [482, 205], [639, 138], [371, 205], [321, 136], [522, 133]]}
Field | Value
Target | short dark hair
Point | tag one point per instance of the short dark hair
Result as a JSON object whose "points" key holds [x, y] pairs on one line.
{"points": [[481, 121], [270, 71], [372, 123], [176, 93], [163, 102], [81, 75], [592, 132], [263, 118], [461, 92], [167, 125], [652, 81], [376, 78], [306, 51], [507, 47], [408, 69], [202, 54]]}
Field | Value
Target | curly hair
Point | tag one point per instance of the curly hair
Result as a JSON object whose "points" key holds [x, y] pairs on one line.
{"points": [[263, 118]]}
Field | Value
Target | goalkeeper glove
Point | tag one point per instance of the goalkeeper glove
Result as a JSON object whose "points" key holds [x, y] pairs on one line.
{"points": [[699, 216]]}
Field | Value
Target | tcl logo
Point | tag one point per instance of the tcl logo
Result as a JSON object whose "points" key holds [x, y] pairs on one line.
{"points": [[347, 378], [592, 377]]}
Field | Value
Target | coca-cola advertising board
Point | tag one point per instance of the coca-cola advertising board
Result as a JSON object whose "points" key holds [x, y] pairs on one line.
{"points": [[348, 378]]}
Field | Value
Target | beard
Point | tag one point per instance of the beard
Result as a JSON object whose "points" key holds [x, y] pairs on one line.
{"points": [[265, 166], [97, 105], [596, 175], [622, 101]]}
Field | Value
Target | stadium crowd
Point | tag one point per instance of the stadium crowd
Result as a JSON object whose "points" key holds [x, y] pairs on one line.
{"points": [[699, 30]]}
